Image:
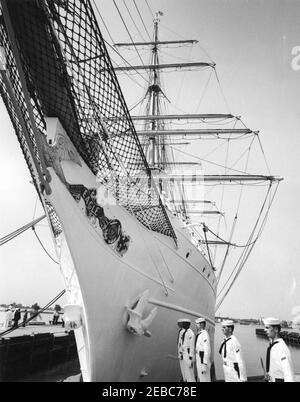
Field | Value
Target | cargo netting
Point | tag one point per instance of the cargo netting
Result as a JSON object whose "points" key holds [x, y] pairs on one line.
{"points": [[69, 75]]}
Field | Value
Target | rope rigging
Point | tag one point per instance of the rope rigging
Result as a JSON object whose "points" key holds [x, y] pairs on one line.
{"points": [[250, 242], [229, 243], [130, 76], [142, 19], [246, 252], [132, 19], [222, 196], [19, 231], [208, 250], [207, 161], [97, 9], [129, 34], [225, 100], [118, 53], [204, 91], [227, 250], [149, 8], [235, 219], [238, 206], [33, 228]]}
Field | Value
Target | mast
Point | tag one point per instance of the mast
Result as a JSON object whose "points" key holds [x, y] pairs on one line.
{"points": [[154, 133], [154, 89], [185, 117], [154, 67], [169, 42], [214, 132]]}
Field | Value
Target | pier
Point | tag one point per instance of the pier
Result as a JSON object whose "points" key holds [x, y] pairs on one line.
{"points": [[36, 353]]}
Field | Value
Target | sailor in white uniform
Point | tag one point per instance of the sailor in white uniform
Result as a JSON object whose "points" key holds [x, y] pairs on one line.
{"points": [[186, 350], [203, 351], [230, 350], [279, 366], [179, 346]]}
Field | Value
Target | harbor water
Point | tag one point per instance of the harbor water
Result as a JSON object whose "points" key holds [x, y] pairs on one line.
{"points": [[253, 349]]}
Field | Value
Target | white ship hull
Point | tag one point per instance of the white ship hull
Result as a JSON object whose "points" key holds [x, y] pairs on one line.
{"points": [[180, 283]]}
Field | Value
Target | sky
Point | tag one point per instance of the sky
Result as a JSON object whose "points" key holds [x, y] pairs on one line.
{"points": [[254, 44]]}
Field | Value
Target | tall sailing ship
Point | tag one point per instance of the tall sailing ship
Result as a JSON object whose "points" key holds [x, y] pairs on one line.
{"points": [[130, 223]]}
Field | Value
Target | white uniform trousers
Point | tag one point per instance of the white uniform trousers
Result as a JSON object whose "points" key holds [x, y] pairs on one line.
{"points": [[203, 377], [230, 373], [203, 353], [188, 371], [182, 369]]}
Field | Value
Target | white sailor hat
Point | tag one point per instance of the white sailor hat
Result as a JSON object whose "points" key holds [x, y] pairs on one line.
{"points": [[200, 319], [271, 321], [227, 323], [184, 320]]}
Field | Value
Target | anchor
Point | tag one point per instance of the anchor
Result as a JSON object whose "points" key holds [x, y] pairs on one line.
{"points": [[136, 324]]}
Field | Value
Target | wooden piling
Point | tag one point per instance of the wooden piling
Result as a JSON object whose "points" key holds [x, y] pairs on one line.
{"points": [[21, 356]]}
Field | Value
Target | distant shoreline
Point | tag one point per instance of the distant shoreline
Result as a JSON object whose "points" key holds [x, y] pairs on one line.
{"points": [[22, 309]]}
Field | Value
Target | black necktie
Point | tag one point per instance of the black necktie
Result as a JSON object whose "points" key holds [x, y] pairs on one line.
{"points": [[183, 336], [269, 355], [223, 345]]}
